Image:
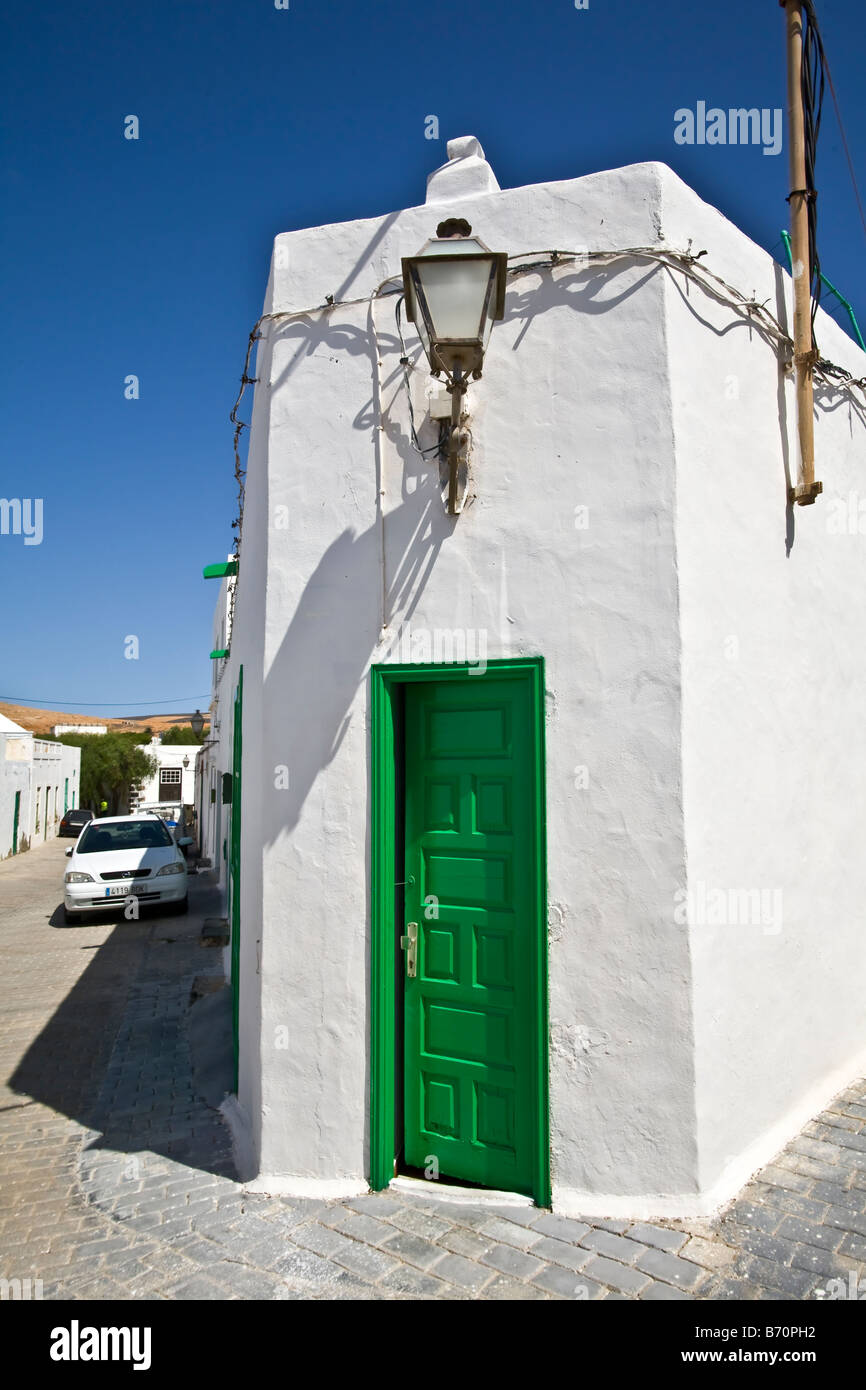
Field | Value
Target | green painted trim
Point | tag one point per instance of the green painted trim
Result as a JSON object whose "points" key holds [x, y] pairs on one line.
{"points": [[383, 964], [221, 571], [219, 653], [235, 865], [384, 680], [833, 290], [542, 1060]]}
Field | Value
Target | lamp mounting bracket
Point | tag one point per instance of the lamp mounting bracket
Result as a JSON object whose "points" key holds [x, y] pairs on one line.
{"points": [[453, 226]]}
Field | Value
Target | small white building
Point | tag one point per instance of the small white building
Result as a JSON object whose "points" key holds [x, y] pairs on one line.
{"points": [[39, 781], [593, 749], [174, 778], [59, 729]]}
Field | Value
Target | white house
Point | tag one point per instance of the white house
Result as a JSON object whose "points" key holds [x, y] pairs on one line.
{"points": [[592, 749], [174, 778], [60, 729], [39, 781]]}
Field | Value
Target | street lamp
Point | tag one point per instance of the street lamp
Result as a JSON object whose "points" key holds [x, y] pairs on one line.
{"points": [[455, 290], [197, 722], [186, 761]]}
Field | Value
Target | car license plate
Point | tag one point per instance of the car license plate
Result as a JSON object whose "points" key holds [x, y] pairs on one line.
{"points": [[121, 890]]}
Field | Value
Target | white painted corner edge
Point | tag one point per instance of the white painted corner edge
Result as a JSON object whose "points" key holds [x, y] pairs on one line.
{"points": [[691, 1206]]}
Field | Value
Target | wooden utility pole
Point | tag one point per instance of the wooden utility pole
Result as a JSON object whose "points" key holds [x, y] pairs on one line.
{"points": [[806, 489]]}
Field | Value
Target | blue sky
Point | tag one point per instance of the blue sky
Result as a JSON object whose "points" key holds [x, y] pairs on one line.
{"points": [[150, 257]]}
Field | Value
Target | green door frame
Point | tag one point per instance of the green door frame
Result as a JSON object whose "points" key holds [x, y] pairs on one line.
{"points": [[235, 865], [385, 680]]}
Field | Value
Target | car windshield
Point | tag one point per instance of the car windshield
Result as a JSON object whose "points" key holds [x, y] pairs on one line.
{"points": [[134, 834]]}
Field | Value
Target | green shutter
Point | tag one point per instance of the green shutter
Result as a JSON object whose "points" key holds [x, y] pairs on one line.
{"points": [[221, 571]]}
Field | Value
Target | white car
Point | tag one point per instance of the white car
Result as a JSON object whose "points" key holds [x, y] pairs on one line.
{"points": [[118, 857]]}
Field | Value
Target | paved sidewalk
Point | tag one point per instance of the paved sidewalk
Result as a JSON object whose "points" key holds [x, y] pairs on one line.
{"points": [[116, 1178]]}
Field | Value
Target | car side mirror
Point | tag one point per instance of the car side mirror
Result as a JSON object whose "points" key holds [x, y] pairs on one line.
{"points": [[68, 853], [187, 840]]}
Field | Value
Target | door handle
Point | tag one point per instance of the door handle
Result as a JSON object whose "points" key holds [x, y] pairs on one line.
{"points": [[409, 943]]}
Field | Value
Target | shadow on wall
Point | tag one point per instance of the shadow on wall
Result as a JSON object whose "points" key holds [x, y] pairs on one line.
{"points": [[323, 657], [328, 645]]}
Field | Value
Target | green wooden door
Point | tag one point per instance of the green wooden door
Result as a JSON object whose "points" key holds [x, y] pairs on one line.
{"points": [[235, 861], [472, 1009], [15, 820]]}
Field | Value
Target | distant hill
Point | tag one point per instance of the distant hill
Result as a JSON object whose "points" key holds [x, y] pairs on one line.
{"points": [[42, 721]]}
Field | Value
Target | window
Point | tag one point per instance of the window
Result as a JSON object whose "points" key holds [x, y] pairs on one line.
{"points": [[169, 783]]}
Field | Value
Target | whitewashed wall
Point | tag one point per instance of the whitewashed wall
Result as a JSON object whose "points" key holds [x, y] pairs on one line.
{"points": [[594, 395], [551, 435], [54, 766], [211, 761], [774, 740], [16, 756]]}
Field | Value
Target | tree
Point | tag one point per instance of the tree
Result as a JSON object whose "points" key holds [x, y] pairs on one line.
{"points": [[111, 765], [183, 733]]}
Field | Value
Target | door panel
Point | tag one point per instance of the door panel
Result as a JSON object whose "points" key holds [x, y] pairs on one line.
{"points": [[471, 1011]]}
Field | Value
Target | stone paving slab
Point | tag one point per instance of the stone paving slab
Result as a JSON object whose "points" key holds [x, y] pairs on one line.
{"points": [[116, 1178]]}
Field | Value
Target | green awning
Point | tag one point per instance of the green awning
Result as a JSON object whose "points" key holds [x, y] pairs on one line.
{"points": [[227, 567], [222, 651]]}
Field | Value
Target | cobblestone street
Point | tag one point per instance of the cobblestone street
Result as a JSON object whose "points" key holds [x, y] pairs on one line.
{"points": [[116, 1178]]}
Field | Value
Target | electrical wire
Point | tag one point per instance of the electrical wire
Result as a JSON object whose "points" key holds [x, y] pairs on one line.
{"points": [[405, 364], [812, 87], [685, 262], [59, 704]]}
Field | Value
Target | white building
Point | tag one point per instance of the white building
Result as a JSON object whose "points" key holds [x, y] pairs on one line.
{"points": [[632, 848], [213, 792], [39, 781], [60, 729], [174, 778]]}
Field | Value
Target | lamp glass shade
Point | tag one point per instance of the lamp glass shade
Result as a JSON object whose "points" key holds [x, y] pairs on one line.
{"points": [[454, 290], [197, 722]]}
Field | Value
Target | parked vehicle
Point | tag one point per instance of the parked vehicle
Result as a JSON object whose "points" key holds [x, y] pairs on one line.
{"points": [[124, 856], [74, 821], [176, 816]]}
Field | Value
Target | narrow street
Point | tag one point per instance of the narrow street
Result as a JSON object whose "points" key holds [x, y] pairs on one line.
{"points": [[116, 1178]]}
